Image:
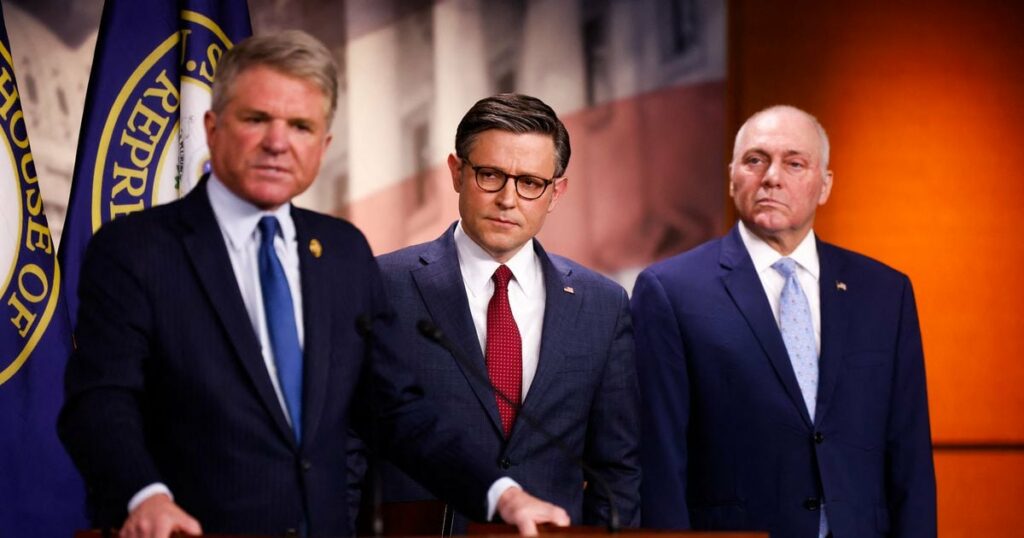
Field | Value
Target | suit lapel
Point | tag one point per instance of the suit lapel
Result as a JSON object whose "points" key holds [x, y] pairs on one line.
{"points": [[316, 318], [560, 309], [744, 286], [833, 326], [205, 246], [439, 281]]}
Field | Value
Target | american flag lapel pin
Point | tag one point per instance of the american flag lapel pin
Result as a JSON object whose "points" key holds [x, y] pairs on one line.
{"points": [[315, 248], [840, 285]]}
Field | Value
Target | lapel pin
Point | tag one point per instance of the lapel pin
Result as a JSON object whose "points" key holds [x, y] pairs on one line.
{"points": [[569, 290], [315, 248], [840, 285]]}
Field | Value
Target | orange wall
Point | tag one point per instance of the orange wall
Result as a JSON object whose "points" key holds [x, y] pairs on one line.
{"points": [[923, 102]]}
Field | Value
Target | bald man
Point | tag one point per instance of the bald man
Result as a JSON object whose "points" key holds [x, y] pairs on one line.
{"points": [[782, 378]]}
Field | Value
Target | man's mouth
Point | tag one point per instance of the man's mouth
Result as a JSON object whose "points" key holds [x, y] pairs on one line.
{"points": [[503, 222]]}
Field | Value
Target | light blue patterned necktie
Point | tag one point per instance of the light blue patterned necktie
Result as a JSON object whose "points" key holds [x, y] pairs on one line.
{"points": [[280, 313], [798, 332], [797, 329]]}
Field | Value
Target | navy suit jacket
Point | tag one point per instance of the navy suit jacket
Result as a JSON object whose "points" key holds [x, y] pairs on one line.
{"points": [[727, 440], [584, 392], [168, 384]]}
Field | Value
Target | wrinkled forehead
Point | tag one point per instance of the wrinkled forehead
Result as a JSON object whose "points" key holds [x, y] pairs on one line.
{"points": [[779, 132]]}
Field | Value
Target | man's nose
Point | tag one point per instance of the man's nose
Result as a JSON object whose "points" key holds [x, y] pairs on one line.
{"points": [[275, 138], [772, 176], [507, 197]]}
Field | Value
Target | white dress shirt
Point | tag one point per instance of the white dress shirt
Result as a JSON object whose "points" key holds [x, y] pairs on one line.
{"points": [[526, 298], [239, 224], [526, 295], [808, 270]]}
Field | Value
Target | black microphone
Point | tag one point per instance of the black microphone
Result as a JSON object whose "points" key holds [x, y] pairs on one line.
{"points": [[364, 326], [433, 333]]}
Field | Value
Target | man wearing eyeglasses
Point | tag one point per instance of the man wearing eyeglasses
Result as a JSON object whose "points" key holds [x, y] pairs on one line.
{"points": [[547, 340]]}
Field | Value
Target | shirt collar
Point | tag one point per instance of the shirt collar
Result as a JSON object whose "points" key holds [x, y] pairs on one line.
{"points": [[763, 255], [478, 266], [238, 218]]}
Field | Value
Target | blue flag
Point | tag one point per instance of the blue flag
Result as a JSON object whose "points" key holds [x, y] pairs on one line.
{"points": [[142, 140], [41, 494]]}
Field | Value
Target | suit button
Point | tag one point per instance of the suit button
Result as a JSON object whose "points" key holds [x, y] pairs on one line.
{"points": [[819, 437], [812, 504], [505, 463], [291, 532], [306, 465]]}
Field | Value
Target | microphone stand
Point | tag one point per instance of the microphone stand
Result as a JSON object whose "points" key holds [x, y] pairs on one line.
{"points": [[364, 326], [433, 333]]}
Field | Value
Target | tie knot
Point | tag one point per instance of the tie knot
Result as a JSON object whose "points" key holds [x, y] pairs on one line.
{"points": [[785, 266], [268, 229], [501, 276]]}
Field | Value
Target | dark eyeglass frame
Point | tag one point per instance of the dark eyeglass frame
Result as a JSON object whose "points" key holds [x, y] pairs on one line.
{"points": [[498, 171]]}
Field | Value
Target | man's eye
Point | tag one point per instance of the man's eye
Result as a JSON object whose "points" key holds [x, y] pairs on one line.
{"points": [[488, 173], [754, 160], [530, 182]]}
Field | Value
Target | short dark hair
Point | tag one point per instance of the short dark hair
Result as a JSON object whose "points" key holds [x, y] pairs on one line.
{"points": [[514, 113], [291, 52]]}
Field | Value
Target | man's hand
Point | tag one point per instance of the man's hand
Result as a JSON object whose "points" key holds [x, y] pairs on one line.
{"points": [[525, 511], [158, 517]]}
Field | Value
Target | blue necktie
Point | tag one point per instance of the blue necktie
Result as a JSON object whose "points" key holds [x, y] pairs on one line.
{"points": [[797, 329], [280, 312]]}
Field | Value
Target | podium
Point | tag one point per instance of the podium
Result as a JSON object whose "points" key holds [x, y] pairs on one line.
{"points": [[494, 530], [425, 519], [489, 530]]}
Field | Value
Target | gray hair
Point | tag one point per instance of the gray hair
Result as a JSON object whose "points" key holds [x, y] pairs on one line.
{"points": [[291, 52], [514, 113], [822, 135]]}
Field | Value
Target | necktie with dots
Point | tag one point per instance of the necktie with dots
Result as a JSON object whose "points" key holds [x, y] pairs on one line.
{"points": [[504, 349], [797, 330]]}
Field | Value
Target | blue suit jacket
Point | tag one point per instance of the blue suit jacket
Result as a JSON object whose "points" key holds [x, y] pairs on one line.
{"points": [[168, 384], [584, 392], [727, 440]]}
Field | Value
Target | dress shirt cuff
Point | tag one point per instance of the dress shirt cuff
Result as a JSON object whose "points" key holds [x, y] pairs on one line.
{"points": [[156, 488], [499, 487]]}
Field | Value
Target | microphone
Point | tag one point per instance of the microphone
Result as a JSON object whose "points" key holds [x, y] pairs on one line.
{"points": [[364, 326], [434, 333]]}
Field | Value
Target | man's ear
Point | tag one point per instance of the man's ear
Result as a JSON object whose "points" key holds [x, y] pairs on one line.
{"points": [[455, 167], [210, 123], [732, 186], [558, 188], [826, 187]]}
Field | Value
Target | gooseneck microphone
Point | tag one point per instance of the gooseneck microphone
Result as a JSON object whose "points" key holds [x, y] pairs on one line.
{"points": [[364, 326], [433, 333]]}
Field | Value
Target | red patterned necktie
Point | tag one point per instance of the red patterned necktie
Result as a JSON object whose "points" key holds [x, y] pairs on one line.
{"points": [[504, 349]]}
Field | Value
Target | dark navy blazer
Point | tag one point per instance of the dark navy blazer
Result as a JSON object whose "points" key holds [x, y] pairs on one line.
{"points": [[584, 391], [168, 383], [727, 440]]}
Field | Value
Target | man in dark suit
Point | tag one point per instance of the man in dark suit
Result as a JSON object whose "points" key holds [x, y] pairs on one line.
{"points": [[218, 371], [551, 335], [782, 377]]}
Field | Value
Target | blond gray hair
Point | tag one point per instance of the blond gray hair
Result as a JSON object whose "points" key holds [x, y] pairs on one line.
{"points": [[291, 52]]}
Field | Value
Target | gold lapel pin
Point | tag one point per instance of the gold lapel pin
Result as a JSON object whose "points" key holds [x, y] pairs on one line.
{"points": [[315, 248], [840, 285], [569, 290]]}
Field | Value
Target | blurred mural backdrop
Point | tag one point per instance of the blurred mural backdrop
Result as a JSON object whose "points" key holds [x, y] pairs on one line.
{"points": [[639, 83]]}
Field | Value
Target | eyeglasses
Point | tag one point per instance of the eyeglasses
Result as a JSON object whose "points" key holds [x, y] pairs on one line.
{"points": [[491, 179]]}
